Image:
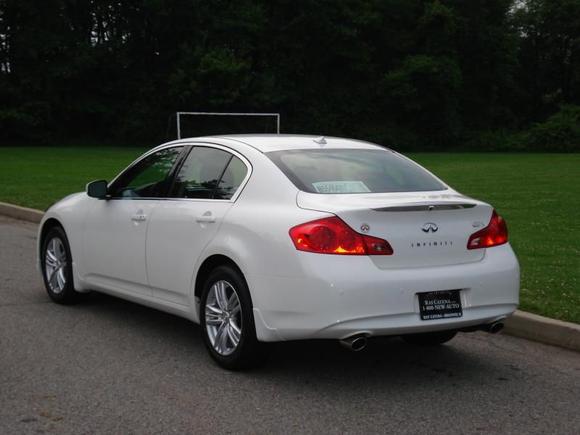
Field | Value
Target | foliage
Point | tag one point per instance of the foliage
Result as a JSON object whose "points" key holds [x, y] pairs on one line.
{"points": [[428, 74], [560, 132], [549, 55]]}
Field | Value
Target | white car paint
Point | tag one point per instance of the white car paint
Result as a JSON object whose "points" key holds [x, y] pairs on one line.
{"points": [[296, 295]]}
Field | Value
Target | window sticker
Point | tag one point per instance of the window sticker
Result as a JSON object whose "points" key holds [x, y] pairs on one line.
{"points": [[340, 187]]}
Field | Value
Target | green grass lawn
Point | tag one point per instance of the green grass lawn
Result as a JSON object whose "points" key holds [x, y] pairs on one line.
{"points": [[538, 194]]}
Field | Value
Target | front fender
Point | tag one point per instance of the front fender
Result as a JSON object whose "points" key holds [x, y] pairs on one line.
{"points": [[70, 214]]}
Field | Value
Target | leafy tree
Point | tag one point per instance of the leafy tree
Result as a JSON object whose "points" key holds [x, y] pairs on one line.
{"points": [[408, 73], [549, 54]]}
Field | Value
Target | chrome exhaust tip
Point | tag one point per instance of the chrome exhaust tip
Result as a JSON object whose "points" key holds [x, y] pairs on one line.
{"points": [[354, 344], [496, 327], [492, 328]]}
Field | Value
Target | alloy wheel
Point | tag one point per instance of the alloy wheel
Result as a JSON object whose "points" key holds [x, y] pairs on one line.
{"points": [[223, 317], [55, 262]]}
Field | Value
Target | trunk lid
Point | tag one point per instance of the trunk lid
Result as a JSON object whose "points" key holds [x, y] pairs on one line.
{"points": [[424, 228]]}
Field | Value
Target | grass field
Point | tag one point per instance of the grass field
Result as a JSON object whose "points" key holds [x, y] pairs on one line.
{"points": [[538, 194]]}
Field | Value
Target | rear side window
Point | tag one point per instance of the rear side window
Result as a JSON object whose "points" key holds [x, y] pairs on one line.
{"points": [[231, 179], [332, 171], [209, 173]]}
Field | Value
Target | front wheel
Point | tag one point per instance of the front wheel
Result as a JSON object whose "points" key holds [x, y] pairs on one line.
{"points": [[430, 338], [56, 263], [227, 320]]}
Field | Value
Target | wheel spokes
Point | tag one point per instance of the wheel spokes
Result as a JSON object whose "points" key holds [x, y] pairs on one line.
{"points": [[61, 254], [221, 338], [221, 296], [235, 307], [223, 317], [213, 310], [51, 258], [52, 276], [236, 328], [234, 333], [55, 263], [60, 278], [213, 318]]}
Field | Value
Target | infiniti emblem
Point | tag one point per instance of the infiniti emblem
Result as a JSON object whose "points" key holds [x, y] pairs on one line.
{"points": [[429, 227], [365, 228]]}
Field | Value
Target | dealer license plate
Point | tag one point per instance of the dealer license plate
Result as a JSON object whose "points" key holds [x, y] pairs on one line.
{"points": [[440, 305]]}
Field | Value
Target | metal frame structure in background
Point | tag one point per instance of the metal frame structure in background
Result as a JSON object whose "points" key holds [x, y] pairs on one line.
{"points": [[277, 115]]}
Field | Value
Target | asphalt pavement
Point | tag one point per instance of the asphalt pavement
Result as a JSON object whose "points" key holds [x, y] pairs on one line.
{"points": [[110, 366]]}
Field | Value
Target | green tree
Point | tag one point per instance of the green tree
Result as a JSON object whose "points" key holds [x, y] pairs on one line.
{"points": [[407, 73], [549, 55]]}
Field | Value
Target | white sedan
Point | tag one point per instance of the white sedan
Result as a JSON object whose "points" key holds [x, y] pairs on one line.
{"points": [[266, 238]]}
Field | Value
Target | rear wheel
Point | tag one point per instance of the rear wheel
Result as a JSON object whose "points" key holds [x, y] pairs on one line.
{"points": [[429, 338], [227, 320], [56, 264]]}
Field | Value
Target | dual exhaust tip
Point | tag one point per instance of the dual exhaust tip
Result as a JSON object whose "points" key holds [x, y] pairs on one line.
{"points": [[493, 328], [357, 343]]}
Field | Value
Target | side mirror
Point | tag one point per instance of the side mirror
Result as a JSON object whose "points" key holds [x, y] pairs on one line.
{"points": [[97, 189]]}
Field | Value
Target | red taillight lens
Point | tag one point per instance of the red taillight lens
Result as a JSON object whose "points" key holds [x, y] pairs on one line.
{"points": [[494, 234], [332, 236]]}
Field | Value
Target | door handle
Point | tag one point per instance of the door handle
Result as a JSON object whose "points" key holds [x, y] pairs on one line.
{"points": [[139, 218], [206, 218]]}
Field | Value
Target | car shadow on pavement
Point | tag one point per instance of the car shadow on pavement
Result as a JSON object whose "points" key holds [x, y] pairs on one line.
{"points": [[385, 360]]}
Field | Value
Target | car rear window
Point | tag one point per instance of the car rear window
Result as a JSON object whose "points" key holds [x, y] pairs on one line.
{"points": [[332, 171]]}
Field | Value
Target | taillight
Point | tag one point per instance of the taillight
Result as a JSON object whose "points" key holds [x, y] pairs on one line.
{"points": [[332, 236], [494, 234]]}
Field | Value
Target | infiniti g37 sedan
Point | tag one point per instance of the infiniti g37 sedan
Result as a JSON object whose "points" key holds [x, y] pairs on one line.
{"points": [[267, 238]]}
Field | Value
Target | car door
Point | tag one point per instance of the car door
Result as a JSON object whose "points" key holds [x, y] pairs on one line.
{"points": [[203, 191], [115, 229]]}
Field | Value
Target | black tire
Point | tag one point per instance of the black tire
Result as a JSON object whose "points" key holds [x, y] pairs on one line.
{"points": [[65, 294], [429, 338], [248, 352]]}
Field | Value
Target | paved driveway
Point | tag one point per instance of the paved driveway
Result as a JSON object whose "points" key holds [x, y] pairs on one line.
{"points": [[109, 366]]}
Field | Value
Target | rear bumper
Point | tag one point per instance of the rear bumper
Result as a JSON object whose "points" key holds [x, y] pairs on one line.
{"points": [[338, 296]]}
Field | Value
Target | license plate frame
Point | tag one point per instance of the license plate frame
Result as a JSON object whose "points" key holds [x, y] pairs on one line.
{"points": [[440, 304]]}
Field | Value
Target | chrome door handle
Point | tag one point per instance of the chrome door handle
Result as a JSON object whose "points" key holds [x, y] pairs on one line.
{"points": [[139, 218], [205, 218]]}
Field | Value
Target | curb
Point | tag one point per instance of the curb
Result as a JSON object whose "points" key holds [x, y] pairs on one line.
{"points": [[22, 213], [543, 329], [520, 324]]}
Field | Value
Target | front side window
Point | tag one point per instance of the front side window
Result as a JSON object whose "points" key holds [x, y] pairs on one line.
{"points": [[208, 173], [333, 171], [149, 178]]}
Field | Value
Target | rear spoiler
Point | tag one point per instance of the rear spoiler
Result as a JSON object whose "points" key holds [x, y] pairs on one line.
{"points": [[432, 206]]}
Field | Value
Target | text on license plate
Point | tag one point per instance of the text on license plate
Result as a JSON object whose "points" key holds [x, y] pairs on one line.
{"points": [[440, 304]]}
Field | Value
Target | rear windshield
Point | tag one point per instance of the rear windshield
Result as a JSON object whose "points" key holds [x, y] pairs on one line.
{"points": [[331, 171]]}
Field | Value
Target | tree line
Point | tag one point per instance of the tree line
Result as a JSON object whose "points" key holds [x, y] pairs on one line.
{"points": [[411, 74]]}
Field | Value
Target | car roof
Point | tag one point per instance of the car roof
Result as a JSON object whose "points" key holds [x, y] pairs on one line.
{"points": [[279, 142]]}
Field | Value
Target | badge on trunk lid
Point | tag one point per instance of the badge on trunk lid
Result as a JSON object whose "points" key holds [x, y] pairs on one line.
{"points": [[429, 227]]}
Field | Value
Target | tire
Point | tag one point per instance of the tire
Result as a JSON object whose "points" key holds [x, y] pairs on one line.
{"points": [[429, 338], [56, 266], [222, 324]]}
